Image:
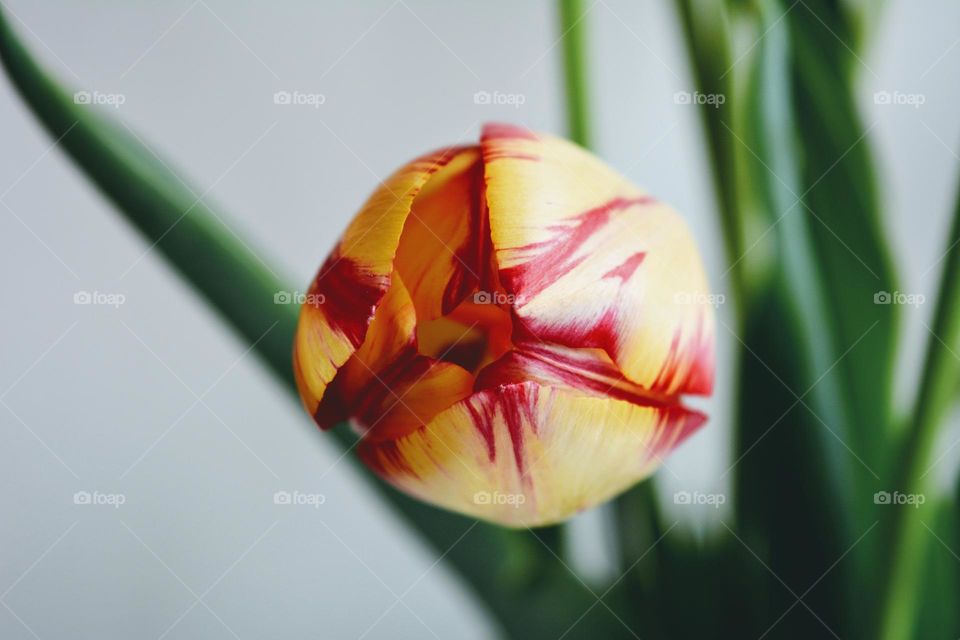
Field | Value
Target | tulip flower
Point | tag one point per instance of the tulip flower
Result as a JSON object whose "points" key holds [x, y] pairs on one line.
{"points": [[511, 327]]}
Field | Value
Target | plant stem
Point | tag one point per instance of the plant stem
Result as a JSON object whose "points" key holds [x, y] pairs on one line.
{"points": [[572, 28], [941, 374], [706, 33]]}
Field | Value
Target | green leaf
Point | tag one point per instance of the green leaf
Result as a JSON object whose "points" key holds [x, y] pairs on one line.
{"points": [[529, 591], [908, 533], [797, 483], [840, 201], [706, 27], [938, 615]]}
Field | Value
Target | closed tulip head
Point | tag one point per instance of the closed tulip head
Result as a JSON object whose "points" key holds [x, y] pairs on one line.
{"points": [[511, 326]]}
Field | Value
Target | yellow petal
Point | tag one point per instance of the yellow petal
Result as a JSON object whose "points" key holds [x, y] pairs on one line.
{"points": [[526, 455], [445, 251], [391, 338], [352, 281], [388, 388], [595, 262], [392, 331], [422, 389]]}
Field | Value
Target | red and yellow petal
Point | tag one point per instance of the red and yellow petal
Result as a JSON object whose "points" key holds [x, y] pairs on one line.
{"points": [[594, 262], [390, 343], [589, 371], [392, 333], [388, 388], [444, 253], [421, 390], [527, 455], [353, 280]]}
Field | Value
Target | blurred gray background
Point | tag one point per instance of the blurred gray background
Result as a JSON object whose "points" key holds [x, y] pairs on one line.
{"points": [[154, 404]]}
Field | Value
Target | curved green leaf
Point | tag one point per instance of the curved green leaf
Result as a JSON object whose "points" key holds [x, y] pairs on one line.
{"points": [[909, 528], [797, 484], [840, 200], [706, 27], [937, 613]]}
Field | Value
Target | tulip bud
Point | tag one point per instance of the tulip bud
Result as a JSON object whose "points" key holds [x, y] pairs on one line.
{"points": [[511, 327]]}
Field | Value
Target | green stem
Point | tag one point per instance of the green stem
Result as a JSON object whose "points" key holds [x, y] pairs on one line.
{"points": [[941, 374], [572, 28], [706, 33], [639, 525], [497, 563]]}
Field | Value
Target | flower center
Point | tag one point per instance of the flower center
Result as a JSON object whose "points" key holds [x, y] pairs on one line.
{"points": [[472, 336]]}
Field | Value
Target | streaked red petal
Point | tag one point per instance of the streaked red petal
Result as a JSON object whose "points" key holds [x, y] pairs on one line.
{"points": [[445, 253], [594, 262], [355, 277]]}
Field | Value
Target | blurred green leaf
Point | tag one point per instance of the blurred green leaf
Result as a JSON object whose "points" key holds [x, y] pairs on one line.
{"points": [[706, 26], [907, 531], [795, 413], [841, 204], [938, 615], [840, 201], [819, 353]]}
